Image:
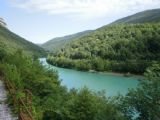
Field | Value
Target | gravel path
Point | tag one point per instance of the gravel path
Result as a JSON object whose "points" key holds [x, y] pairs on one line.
{"points": [[5, 112]]}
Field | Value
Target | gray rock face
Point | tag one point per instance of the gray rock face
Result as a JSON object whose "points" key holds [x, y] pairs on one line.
{"points": [[5, 112], [2, 23]]}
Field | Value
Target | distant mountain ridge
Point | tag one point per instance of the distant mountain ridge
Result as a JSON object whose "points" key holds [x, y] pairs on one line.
{"points": [[148, 16], [59, 42]]}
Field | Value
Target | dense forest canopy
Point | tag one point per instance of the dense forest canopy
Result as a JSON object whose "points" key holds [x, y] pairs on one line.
{"points": [[119, 48]]}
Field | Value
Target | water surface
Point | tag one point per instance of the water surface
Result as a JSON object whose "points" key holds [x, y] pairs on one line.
{"points": [[112, 84]]}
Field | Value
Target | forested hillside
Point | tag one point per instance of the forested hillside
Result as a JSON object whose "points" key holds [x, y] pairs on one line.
{"points": [[116, 48], [120, 48], [12, 42], [148, 16], [57, 43], [51, 101]]}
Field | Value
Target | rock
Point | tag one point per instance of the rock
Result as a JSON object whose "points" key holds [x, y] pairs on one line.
{"points": [[2, 23]]}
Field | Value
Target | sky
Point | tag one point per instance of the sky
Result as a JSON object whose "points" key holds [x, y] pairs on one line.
{"points": [[41, 20]]}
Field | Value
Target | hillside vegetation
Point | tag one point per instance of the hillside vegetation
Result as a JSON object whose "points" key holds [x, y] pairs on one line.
{"points": [[148, 16], [12, 42], [58, 43], [51, 101], [119, 48]]}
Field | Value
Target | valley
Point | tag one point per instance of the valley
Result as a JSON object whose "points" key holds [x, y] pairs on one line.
{"points": [[66, 77]]}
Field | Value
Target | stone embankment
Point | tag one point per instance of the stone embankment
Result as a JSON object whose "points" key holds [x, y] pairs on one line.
{"points": [[5, 112]]}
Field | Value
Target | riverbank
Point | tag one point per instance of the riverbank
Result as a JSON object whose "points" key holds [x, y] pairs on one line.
{"points": [[117, 74], [139, 76]]}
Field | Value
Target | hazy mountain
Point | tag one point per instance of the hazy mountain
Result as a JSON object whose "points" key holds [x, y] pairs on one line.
{"points": [[148, 16], [59, 42]]}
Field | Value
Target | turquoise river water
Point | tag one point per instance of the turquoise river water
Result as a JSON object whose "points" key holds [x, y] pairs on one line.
{"points": [[112, 84]]}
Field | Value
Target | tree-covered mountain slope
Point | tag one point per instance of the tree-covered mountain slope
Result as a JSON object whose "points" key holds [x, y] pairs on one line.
{"points": [[11, 42], [148, 16], [59, 42], [120, 48]]}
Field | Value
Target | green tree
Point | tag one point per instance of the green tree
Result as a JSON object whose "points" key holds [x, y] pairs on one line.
{"points": [[143, 103]]}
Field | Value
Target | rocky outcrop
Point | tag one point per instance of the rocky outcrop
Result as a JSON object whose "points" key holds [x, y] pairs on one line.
{"points": [[2, 23]]}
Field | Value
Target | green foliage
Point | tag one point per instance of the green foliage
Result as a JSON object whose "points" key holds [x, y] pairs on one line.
{"points": [[25, 73], [86, 105], [144, 101], [2, 51], [53, 101], [119, 48]]}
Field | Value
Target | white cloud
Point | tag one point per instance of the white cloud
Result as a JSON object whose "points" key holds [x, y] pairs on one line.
{"points": [[86, 8]]}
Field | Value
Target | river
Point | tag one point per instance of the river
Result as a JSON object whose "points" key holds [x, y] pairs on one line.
{"points": [[112, 84]]}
